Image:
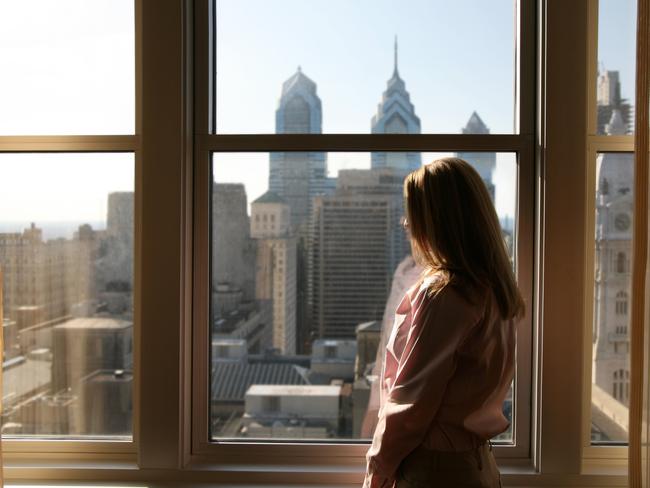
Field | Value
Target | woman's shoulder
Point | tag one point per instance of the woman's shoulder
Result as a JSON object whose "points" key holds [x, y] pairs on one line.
{"points": [[457, 294]]}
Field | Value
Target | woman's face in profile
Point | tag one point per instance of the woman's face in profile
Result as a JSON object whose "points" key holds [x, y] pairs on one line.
{"points": [[405, 225], [407, 231]]}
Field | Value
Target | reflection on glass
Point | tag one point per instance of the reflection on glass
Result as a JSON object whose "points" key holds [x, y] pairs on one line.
{"points": [[368, 66], [66, 254], [309, 262], [613, 254], [68, 67], [616, 67]]}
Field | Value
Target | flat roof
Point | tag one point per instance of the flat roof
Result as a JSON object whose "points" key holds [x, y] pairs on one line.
{"points": [[333, 342], [94, 323], [228, 341], [294, 390], [25, 379], [373, 325]]}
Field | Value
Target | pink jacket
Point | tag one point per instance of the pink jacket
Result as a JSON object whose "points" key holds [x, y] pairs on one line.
{"points": [[449, 364]]}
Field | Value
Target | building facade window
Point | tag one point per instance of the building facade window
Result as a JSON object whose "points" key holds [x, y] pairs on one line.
{"points": [[621, 303], [621, 263], [621, 385]]}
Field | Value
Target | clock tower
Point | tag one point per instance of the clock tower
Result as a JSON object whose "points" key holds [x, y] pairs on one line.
{"points": [[613, 241]]}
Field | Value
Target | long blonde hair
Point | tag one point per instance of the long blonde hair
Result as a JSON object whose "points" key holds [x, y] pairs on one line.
{"points": [[455, 231]]}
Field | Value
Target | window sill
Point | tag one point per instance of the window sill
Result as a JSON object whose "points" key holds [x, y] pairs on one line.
{"points": [[40, 473], [605, 467]]}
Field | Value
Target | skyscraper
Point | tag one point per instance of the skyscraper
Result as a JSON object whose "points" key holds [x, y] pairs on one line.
{"points": [[275, 268], [483, 163], [233, 250], [396, 115], [114, 263], [352, 253], [297, 177]]}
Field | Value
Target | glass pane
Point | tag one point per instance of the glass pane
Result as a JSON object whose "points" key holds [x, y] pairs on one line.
{"points": [[616, 66], [68, 67], [336, 66], [613, 272], [297, 348], [66, 254]]}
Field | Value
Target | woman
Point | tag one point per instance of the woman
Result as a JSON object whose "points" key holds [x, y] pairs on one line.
{"points": [[450, 358]]}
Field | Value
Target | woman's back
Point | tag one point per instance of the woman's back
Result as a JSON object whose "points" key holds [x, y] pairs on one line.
{"points": [[476, 369], [450, 359]]}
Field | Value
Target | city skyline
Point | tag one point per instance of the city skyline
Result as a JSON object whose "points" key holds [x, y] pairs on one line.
{"points": [[616, 52]]}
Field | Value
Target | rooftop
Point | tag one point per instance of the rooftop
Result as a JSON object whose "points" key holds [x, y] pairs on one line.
{"points": [[333, 342], [25, 379], [94, 323], [269, 197], [108, 376], [227, 341], [230, 381], [295, 390], [299, 79], [372, 326], [475, 125]]}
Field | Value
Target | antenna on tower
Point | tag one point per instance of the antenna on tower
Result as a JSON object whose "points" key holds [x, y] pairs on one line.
{"points": [[395, 53]]}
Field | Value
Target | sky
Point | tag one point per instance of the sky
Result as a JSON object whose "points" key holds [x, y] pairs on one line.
{"points": [[68, 68], [455, 57]]}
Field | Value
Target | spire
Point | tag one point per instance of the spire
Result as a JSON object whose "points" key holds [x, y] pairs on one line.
{"points": [[395, 70]]}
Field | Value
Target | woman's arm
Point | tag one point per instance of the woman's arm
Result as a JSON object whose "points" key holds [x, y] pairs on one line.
{"points": [[439, 325]]}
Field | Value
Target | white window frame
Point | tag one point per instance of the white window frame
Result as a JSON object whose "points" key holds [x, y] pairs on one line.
{"points": [[206, 143], [593, 455], [16, 450]]}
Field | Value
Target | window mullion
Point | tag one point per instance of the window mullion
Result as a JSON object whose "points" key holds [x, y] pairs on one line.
{"points": [[69, 143], [363, 142], [562, 265]]}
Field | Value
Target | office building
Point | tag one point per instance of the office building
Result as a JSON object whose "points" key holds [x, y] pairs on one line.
{"points": [[483, 162], [275, 268], [354, 251], [396, 115], [298, 177]]}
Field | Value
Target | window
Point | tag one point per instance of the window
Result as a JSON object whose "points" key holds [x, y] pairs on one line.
{"points": [[270, 404], [351, 243], [621, 385], [68, 208], [621, 303], [615, 80], [72, 68], [336, 197], [611, 177]]}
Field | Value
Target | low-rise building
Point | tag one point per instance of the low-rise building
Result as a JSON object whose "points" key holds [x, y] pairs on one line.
{"points": [[292, 411]]}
